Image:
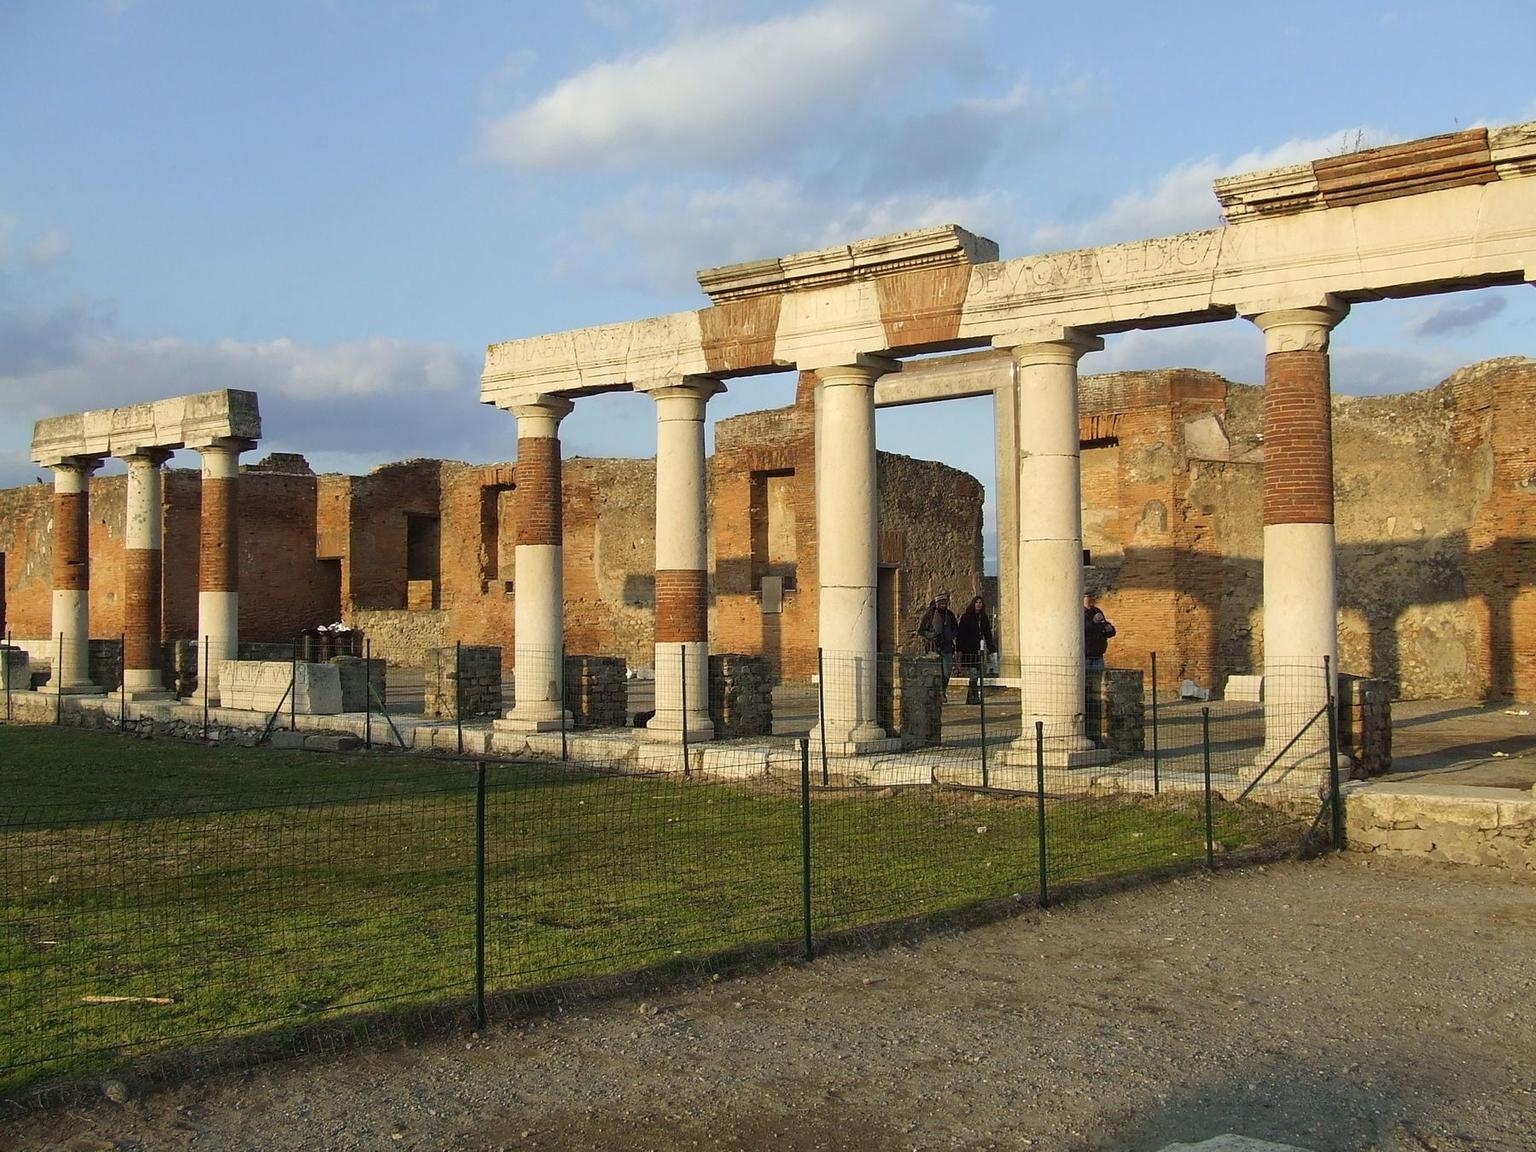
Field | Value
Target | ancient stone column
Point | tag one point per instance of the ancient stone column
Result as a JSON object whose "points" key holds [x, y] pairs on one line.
{"points": [[1300, 589], [682, 562], [848, 549], [218, 571], [1049, 643], [142, 576], [539, 605], [72, 576]]}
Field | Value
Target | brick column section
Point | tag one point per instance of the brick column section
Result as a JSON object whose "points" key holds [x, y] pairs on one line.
{"points": [[682, 561], [848, 552], [539, 591], [1050, 552], [142, 576], [218, 570], [1300, 586], [72, 576]]}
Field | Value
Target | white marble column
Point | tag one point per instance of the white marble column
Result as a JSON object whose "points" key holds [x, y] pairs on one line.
{"points": [[1300, 583], [539, 591], [142, 582], [218, 570], [70, 650], [848, 550], [1049, 643], [682, 561]]}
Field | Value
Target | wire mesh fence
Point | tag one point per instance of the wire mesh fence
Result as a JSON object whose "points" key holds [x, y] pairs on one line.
{"points": [[261, 903]]}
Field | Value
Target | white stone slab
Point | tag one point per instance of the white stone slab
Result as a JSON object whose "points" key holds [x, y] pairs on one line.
{"points": [[1246, 688], [261, 685]]}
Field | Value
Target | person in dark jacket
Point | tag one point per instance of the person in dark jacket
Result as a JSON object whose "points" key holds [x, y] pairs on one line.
{"points": [[1096, 632], [938, 630], [973, 640]]}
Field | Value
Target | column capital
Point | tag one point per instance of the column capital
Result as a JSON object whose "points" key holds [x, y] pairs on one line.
{"points": [[865, 370], [73, 473], [691, 386], [1056, 346], [540, 416], [1300, 329], [153, 457], [233, 444]]}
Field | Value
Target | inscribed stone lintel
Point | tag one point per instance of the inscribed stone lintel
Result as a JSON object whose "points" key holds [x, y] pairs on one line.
{"points": [[198, 420], [842, 263]]}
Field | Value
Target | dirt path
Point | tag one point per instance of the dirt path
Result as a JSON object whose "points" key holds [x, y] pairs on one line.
{"points": [[1343, 1004]]}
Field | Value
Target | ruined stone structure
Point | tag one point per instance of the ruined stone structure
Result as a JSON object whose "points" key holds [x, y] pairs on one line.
{"points": [[219, 425], [1301, 245]]}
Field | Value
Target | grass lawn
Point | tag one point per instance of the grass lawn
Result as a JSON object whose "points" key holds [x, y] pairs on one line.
{"points": [[226, 891]]}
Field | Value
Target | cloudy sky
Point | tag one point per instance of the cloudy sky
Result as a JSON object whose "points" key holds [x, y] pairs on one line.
{"points": [[339, 204]]}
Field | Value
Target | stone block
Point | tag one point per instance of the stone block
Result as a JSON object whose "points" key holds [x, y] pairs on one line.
{"points": [[740, 695], [1247, 688], [261, 686], [284, 739], [330, 742], [1114, 713], [909, 699], [595, 691], [15, 669]]}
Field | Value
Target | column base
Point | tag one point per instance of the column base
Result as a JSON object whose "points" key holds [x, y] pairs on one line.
{"points": [[860, 740], [143, 695], [512, 722], [86, 689], [659, 730], [1057, 752]]}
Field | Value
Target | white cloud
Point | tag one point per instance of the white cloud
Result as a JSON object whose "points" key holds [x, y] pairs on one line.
{"points": [[1182, 199], [731, 92], [1455, 315]]}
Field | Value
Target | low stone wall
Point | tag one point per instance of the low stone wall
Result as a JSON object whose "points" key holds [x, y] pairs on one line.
{"points": [[1457, 824], [464, 681], [1365, 723], [595, 691], [1114, 713], [909, 699], [740, 695], [402, 638]]}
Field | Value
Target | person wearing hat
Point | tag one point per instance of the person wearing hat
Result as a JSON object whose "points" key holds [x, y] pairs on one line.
{"points": [[939, 630]]}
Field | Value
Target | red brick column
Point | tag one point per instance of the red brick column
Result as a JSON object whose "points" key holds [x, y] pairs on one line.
{"points": [[1301, 634], [142, 575], [218, 567], [72, 574]]}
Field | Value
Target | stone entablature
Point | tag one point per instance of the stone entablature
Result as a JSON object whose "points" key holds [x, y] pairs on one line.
{"points": [[1368, 237], [198, 420]]}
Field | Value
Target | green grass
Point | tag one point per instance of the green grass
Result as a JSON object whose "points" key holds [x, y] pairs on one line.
{"points": [[256, 889]]}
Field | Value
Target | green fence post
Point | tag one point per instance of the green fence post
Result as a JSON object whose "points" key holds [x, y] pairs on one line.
{"points": [[122, 681], [1040, 808], [368, 692], [8, 667], [821, 709], [1337, 813], [480, 894], [805, 843], [981, 682], [565, 700], [58, 683], [205, 687], [682, 677], [1157, 785], [458, 692], [293, 688], [1205, 740]]}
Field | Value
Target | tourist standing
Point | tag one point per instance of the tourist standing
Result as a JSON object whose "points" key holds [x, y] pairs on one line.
{"points": [[939, 630], [1096, 632], [973, 640]]}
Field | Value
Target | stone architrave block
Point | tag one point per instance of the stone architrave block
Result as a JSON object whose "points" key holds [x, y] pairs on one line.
{"points": [[261, 685], [15, 669], [1249, 689]]}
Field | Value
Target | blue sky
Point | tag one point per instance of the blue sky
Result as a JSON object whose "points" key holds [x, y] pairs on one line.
{"points": [[340, 204]]}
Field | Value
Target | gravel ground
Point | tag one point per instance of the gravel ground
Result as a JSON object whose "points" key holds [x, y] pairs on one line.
{"points": [[1341, 1004]]}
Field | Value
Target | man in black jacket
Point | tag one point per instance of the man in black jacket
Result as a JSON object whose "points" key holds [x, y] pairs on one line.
{"points": [[1096, 632]]}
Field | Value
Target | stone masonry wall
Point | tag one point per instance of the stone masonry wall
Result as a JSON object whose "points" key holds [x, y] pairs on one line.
{"points": [[463, 681], [740, 695]]}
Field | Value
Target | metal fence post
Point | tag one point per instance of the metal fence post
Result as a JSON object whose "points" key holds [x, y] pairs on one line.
{"points": [[1205, 741], [8, 667], [122, 681], [58, 682], [1040, 808], [821, 712], [293, 689], [805, 842], [206, 659], [981, 697], [480, 894], [565, 699], [1337, 813], [1157, 784], [682, 668], [458, 691], [368, 692]]}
